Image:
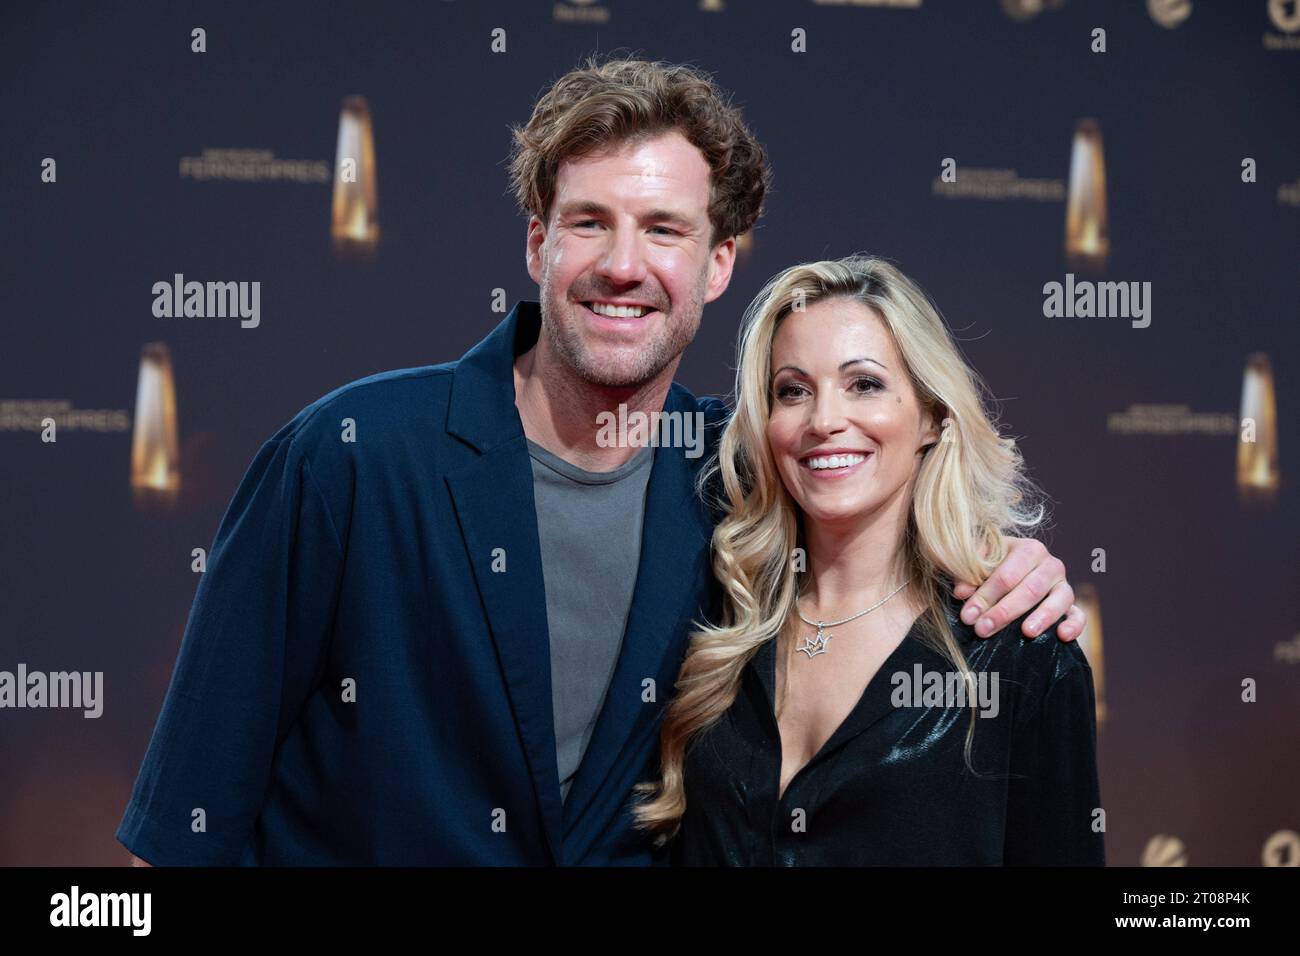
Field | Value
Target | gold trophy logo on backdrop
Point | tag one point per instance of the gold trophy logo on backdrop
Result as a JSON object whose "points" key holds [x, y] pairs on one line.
{"points": [[355, 227], [1258, 476], [1087, 239], [155, 447]]}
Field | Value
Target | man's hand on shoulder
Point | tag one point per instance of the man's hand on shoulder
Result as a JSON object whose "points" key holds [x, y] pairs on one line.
{"points": [[1028, 579]]}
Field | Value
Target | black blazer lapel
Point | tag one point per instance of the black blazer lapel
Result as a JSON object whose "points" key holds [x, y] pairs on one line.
{"points": [[671, 580], [493, 497]]}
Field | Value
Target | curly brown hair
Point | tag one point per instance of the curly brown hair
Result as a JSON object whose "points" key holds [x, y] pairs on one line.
{"points": [[628, 100]]}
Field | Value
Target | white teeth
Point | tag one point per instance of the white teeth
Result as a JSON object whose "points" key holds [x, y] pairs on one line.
{"points": [[835, 461], [618, 311]]}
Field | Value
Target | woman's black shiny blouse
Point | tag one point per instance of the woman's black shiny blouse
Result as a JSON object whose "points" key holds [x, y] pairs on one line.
{"points": [[890, 787]]}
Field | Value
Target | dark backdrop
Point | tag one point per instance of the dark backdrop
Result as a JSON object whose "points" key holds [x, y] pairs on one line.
{"points": [[1200, 587]]}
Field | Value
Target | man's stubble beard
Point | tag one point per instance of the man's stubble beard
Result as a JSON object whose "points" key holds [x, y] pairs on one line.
{"points": [[566, 341]]}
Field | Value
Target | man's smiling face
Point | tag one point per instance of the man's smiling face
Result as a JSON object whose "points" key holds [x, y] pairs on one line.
{"points": [[625, 264]]}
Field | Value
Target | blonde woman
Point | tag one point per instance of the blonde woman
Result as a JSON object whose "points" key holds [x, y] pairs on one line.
{"points": [[839, 712]]}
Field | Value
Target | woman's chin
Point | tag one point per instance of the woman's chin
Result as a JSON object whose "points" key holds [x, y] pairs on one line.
{"points": [[831, 514]]}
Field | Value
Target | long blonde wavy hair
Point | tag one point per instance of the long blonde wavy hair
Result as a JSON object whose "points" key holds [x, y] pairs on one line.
{"points": [[970, 490]]}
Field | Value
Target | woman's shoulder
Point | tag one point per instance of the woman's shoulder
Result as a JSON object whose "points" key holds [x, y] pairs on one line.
{"points": [[1034, 664]]}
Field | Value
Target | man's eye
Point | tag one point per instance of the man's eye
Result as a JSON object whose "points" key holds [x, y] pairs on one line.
{"points": [[585, 222], [671, 232], [866, 385]]}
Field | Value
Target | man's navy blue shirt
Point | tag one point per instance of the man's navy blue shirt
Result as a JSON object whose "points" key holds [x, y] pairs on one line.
{"points": [[365, 677]]}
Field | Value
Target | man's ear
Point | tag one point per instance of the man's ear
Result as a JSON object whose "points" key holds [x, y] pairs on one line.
{"points": [[533, 248], [721, 261]]}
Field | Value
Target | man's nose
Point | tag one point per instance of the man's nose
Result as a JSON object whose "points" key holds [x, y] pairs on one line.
{"points": [[623, 260]]}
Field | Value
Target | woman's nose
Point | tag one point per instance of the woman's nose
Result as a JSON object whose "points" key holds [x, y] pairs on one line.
{"points": [[827, 416]]}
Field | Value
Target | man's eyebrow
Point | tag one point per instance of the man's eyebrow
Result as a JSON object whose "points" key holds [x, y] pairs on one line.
{"points": [[589, 207], [583, 207], [668, 215]]}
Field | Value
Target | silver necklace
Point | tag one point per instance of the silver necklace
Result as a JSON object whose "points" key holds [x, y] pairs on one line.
{"points": [[818, 645]]}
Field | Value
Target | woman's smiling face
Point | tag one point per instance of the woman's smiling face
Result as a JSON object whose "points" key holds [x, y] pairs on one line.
{"points": [[846, 427]]}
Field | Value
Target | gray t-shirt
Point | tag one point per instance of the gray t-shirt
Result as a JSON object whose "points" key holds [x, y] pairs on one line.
{"points": [[589, 526]]}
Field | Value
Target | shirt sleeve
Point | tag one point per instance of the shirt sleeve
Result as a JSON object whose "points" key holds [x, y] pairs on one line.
{"points": [[1054, 793], [253, 651]]}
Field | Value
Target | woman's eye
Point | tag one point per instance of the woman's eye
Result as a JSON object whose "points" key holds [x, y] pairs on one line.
{"points": [[789, 390], [865, 385]]}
